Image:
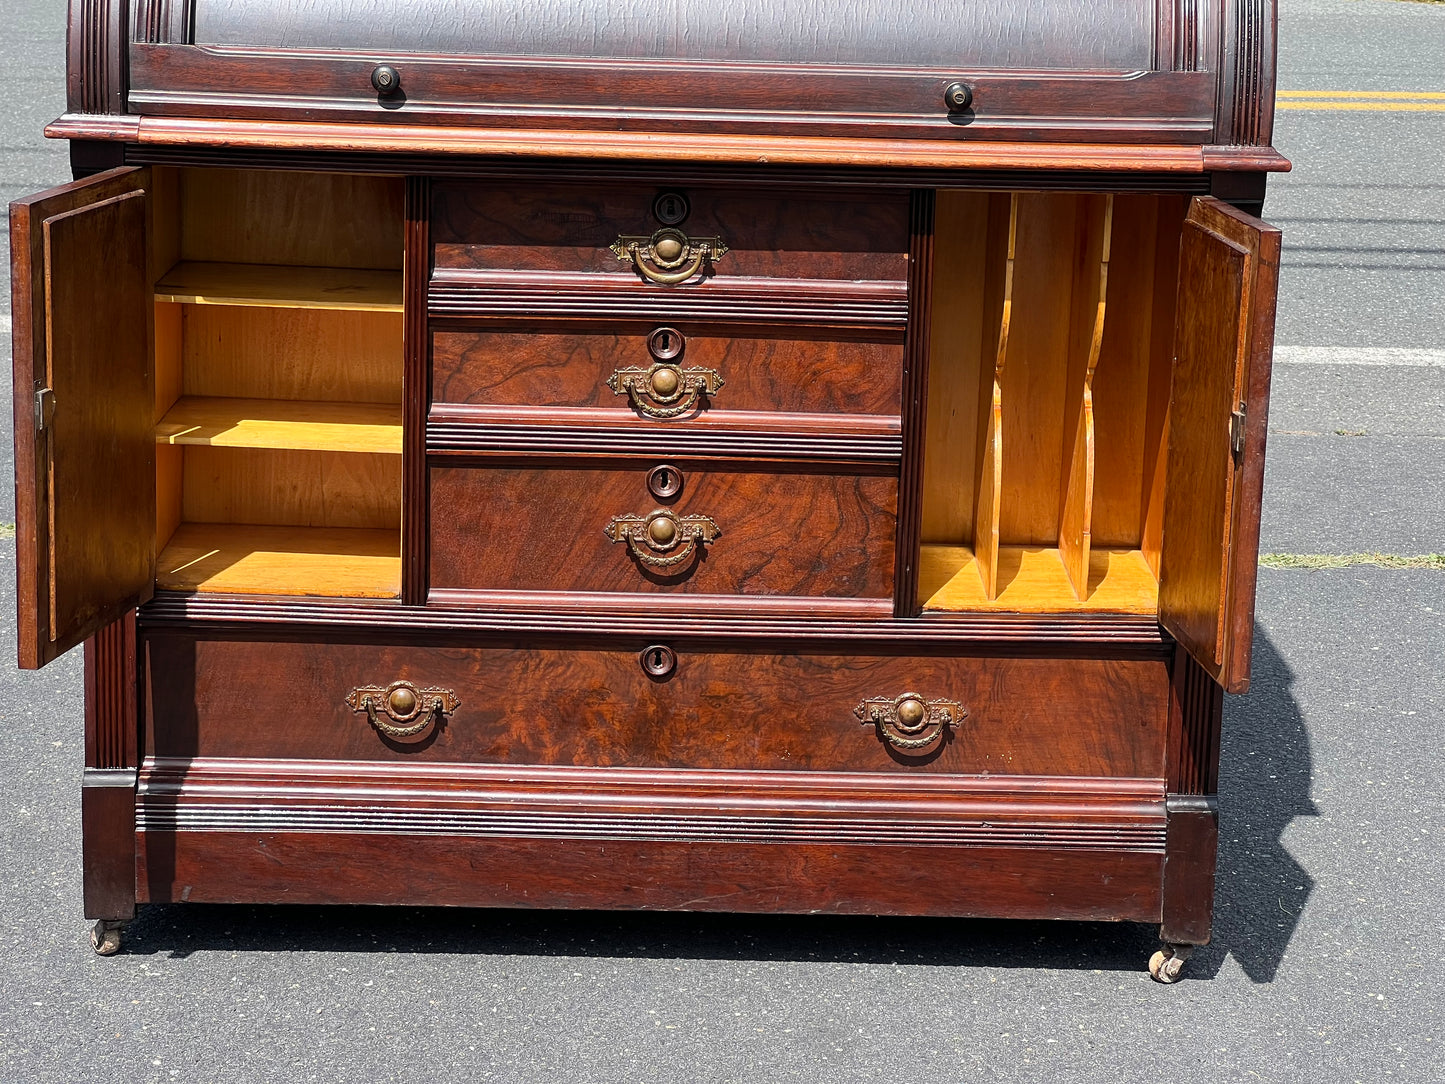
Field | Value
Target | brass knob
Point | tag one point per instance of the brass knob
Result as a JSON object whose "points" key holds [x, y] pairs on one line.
{"points": [[665, 382], [669, 256], [662, 530], [662, 539], [911, 713], [668, 249], [402, 701], [401, 709], [908, 723]]}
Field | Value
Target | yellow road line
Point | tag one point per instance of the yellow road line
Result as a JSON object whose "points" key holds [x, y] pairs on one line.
{"points": [[1408, 94], [1366, 107]]}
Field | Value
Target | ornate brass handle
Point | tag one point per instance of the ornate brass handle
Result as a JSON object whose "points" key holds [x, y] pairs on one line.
{"points": [[662, 539], [909, 722], [669, 256], [409, 709], [664, 391]]}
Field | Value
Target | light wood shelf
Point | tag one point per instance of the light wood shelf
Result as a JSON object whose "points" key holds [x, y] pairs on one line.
{"points": [[276, 286], [282, 423], [1032, 579], [335, 562]]}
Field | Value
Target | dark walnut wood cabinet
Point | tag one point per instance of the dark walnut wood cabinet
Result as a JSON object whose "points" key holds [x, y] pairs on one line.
{"points": [[660, 456]]}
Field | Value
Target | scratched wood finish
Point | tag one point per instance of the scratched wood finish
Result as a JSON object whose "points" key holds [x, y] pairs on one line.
{"points": [[322, 868], [789, 370], [578, 705], [785, 530], [542, 227]]}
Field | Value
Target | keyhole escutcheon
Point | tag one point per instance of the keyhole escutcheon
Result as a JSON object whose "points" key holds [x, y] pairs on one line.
{"points": [[664, 481], [658, 661], [666, 343], [670, 208]]}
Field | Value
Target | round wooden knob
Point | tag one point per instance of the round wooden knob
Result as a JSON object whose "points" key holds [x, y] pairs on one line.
{"points": [[664, 383], [402, 701], [668, 249], [911, 713], [662, 530]]}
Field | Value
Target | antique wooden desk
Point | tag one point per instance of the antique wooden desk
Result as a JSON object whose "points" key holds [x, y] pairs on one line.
{"points": [[665, 455]]}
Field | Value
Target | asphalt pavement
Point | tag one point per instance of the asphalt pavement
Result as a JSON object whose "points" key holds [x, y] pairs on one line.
{"points": [[1331, 897]]}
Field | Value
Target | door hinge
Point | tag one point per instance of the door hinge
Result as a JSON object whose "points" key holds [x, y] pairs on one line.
{"points": [[1236, 433], [44, 408]]}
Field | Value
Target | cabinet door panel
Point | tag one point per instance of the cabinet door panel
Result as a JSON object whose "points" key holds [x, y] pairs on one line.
{"points": [[84, 430], [1223, 338]]}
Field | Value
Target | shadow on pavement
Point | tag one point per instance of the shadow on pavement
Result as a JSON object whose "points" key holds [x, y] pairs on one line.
{"points": [[1264, 784]]}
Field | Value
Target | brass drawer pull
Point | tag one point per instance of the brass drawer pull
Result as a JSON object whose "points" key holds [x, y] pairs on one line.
{"points": [[662, 539], [409, 710], [669, 256], [664, 391], [909, 722]]}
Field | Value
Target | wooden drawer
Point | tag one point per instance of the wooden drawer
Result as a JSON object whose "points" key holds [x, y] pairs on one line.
{"points": [[783, 535], [788, 371], [568, 228], [591, 703]]}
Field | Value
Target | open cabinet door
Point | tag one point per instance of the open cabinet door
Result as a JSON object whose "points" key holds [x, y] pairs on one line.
{"points": [[1218, 415], [81, 307]]}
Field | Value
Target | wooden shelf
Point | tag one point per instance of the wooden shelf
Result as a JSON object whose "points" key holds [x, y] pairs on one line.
{"points": [[336, 562], [1033, 580], [277, 286], [282, 423]]}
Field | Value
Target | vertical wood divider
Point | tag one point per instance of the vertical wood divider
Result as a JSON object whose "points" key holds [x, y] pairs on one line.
{"points": [[1078, 504], [915, 402], [990, 486], [416, 391]]}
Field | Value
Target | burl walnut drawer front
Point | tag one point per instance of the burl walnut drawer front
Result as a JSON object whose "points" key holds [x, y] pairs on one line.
{"points": [[667, 372], [776, 535], [670, 237], [601, 706]]}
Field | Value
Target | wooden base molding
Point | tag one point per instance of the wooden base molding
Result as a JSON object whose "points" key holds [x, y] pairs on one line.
{"points": [[248, 831]]}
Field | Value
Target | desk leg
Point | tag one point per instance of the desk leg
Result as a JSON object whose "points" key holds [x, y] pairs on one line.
{"points": [[108, 788]]}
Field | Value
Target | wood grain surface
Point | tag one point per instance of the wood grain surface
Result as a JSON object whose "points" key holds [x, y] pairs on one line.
{"points": [[312, 354], [339, 562], [791, 370], [785, 530], [85, 478], [283, 423], [848, 236], [568, 704], [1224, 336], [286, 217], [274, 286], [617, 874]]}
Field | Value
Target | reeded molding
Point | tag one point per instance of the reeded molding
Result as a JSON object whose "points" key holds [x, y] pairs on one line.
{"points": [[215, 795]]}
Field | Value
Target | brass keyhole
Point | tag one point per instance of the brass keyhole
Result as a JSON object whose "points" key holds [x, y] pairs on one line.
{"points": [[664, 481], [658, 661], [670, 208]]}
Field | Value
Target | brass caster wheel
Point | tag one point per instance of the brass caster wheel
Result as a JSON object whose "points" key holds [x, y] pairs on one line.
{"points": [[105, 937], [1166, 965]]}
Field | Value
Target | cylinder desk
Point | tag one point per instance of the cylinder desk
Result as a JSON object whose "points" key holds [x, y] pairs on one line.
{"points": [[790, 457]]}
